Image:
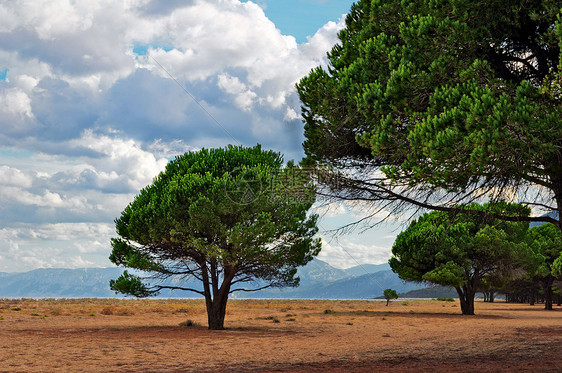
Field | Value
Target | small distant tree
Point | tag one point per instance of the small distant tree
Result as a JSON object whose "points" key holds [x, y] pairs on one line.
{"points": [[390, 294], [459, 250], [225, 217]]}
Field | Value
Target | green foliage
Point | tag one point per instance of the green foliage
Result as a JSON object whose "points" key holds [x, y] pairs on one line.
{"points": [[226, 216], [448, 250], [130, 284], [451, 95], [390, 294], [557, 267], [545, 242], [460, 250]]}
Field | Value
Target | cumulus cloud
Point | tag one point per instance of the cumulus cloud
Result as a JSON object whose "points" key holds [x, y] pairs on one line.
{"points": [[120, 160], [84, 73], [244, 97], [346, 252], [100, 95], [68, 245], [13, 177]]}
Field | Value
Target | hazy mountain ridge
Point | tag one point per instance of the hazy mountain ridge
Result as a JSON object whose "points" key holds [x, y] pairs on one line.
{"points": [[319, 280]]}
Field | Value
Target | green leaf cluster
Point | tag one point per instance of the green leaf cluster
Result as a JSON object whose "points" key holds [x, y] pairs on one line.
{"points": [[236, 209], [545, 242], [442, 93], [390, 294], [455, 250]]}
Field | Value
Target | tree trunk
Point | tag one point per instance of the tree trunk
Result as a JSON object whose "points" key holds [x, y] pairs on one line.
{"points": [[216, 305], [217, 312], [548, 293], [491, 298], [387, 300], [466, 297]]}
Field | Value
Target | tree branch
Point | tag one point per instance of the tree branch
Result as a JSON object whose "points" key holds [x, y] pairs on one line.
{"points": [[250, 290], [161, 287]]}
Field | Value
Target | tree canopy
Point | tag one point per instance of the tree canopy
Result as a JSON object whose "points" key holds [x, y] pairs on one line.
{"points": [[226, 217], [459, 251], [438, 102], [545, 241], [390, 294]]}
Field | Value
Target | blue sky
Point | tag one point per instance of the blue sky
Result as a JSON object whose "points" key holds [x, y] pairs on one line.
{"points": [[90, 114], [302, 18]]}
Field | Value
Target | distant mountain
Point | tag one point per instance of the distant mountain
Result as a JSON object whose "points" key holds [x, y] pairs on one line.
{"points": [[363, 269], [431, 292], [59, 283], [368, 286], [319, 280], [319, 271]]}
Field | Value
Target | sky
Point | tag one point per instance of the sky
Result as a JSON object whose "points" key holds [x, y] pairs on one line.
{"points": [[93, 104]]}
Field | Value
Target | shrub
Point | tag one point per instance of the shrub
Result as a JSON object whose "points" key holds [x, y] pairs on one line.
{"points": [[188, 324], [124, 312]]}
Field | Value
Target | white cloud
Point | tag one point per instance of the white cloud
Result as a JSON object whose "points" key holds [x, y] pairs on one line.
{"points": [[169, 150], [346, 252], [122, 160], [68, 245], [93, 122], [13, 177], [244, 97], [16, 102]]}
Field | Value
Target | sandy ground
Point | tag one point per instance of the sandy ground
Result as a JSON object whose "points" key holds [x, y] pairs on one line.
{"points": [[101, 335]]}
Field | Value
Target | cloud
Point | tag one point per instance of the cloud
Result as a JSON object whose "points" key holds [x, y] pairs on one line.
{"points": [[244, 96], [163, 7], [123, 160], [13, 177], [98, 96], [83, 73], [68, 245], [346, 252]]}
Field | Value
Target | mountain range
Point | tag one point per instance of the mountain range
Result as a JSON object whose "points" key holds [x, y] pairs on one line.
{"points": [[319, 280]]}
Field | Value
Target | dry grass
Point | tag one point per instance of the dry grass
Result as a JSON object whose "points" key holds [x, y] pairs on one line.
{"points": [[275, 335]]}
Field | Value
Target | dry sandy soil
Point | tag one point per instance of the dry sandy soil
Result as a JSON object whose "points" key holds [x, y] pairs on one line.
{"points": [[102, 335]]}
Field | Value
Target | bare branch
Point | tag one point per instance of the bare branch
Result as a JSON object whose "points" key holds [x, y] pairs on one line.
{"points": [[161, 287], [251, 290]]}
